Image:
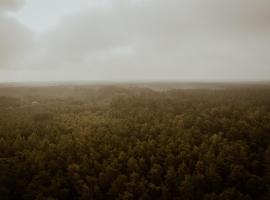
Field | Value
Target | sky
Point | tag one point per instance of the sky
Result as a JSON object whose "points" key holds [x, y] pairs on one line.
{"points": [[129, 40]]}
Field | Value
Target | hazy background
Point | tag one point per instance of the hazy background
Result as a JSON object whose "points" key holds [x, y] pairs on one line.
{"points": [[180, 40]]}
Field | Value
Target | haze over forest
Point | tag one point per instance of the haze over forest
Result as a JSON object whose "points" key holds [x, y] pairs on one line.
{"points": [[135, 99], [129, 40]]}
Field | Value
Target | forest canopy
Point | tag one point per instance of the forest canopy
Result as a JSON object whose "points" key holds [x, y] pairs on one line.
{"points": [[115, 142]]}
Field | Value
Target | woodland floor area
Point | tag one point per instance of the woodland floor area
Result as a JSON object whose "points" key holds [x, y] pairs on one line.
{"points": [[115, 142]]}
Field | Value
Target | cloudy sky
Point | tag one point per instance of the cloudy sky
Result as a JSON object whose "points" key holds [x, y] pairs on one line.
{"points": [[184, 40]]}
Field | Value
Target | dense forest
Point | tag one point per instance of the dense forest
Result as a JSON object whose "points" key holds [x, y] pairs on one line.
{"points": [[114, 142]]}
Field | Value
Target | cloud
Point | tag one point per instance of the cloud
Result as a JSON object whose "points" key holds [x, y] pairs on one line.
{"points": [[11, 4], [15, 38], [15, 42], [157, 39]]}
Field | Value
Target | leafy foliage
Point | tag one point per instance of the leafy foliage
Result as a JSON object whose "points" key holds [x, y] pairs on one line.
{"points": [[120, 143]]}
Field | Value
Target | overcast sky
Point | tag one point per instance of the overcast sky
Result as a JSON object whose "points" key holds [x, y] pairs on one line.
{"points": [[184, 40]]}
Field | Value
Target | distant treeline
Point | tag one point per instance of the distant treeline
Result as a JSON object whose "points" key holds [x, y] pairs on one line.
{"points": [[63, 142]]}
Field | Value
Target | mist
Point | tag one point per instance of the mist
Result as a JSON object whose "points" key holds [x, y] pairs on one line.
{"points": [[134, 99]]}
